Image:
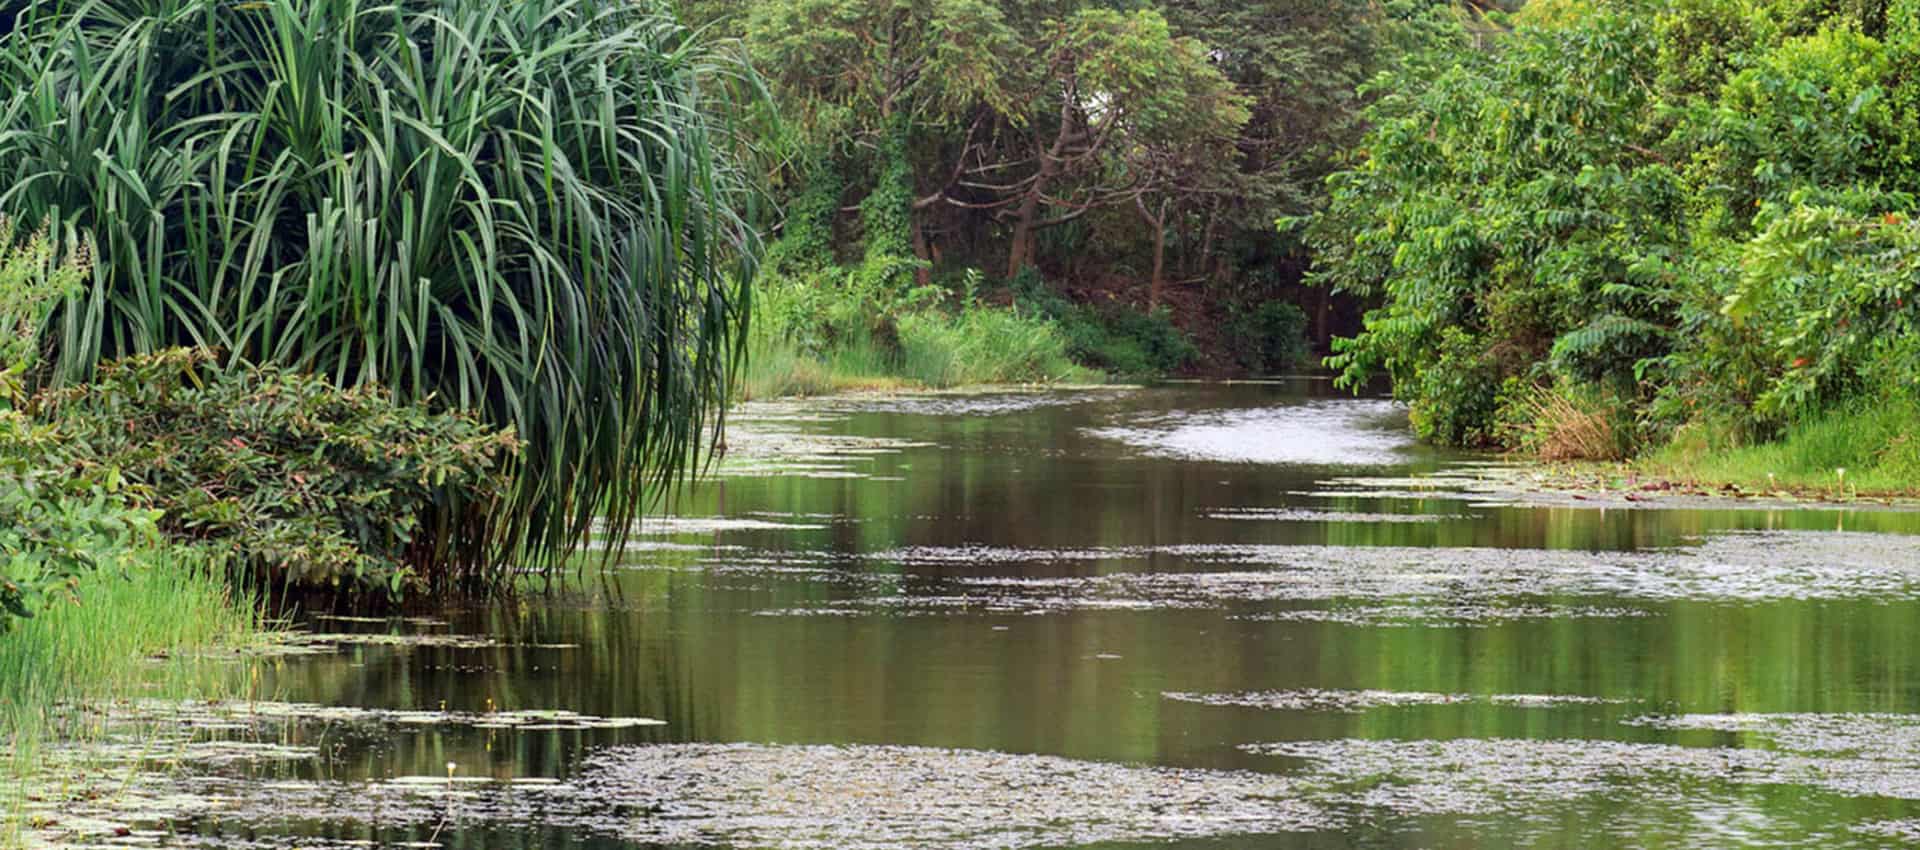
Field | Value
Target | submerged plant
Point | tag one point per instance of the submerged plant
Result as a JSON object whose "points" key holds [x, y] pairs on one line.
{"points": [[523, 209]]}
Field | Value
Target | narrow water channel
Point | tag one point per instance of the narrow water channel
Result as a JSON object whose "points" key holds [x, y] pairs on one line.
{"points": [[1249, 616]]}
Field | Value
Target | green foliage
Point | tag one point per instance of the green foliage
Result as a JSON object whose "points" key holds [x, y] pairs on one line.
{"points": [[34, 276], [281, 474], [886, 212], [525, 209], [855, 329], [980, 344], [1117, 339], [1831, 299], [1269, 338], [1725, 240], [59, 525]]}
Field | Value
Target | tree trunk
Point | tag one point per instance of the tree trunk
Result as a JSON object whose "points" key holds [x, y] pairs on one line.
{"points": [[1020, 250], [1323, 318], [1027, 218], [1159, 225], [923, 274]]}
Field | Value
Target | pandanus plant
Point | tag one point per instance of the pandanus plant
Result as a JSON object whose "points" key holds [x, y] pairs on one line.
{"points": [[525, 208]]}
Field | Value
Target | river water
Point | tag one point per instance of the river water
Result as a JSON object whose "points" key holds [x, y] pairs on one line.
{"points": [[1248, 616]]}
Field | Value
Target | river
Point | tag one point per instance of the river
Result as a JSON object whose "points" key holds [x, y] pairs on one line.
{"points": [[1247, 616]]}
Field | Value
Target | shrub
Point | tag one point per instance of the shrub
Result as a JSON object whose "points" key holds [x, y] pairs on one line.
{"points": [[524, 209], [1117, 339], [282, 474], [1269, 338], [58, 525]]}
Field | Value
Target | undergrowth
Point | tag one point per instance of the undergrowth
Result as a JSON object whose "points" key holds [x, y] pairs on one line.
{"points": [[99, 646], [1867, 447]]}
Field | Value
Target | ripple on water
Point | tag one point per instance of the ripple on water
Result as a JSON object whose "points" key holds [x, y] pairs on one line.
{"points": [[1350, 432]]}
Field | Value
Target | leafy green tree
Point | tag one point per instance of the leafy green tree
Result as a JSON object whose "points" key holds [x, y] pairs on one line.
{"points": [[864, 75], [1696, 209], [1121, 106]]}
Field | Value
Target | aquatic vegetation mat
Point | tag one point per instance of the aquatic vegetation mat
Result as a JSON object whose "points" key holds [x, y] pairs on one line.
{"points": [[1388, 585], [256, 715], [874, 797], [1480, 484]]}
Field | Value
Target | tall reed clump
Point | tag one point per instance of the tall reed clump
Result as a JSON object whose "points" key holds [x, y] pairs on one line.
{"points": [[523, 209]]}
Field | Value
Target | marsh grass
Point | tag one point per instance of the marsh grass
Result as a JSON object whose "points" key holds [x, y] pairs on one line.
{"points": [[1872, 439], [126, 635], [930, 348]]}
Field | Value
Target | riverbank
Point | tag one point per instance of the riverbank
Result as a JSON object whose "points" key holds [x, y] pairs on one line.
{"points": [[923, 349], [1862, 451], [125, 635]]}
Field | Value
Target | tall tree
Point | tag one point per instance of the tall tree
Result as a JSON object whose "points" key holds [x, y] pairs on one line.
{"points": [[871, 74]]}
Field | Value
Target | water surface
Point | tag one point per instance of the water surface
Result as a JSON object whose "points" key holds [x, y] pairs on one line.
{"points": [[1190, 616]]}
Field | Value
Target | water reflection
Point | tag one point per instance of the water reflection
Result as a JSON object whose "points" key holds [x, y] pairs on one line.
{"points": [[1149, 580]]}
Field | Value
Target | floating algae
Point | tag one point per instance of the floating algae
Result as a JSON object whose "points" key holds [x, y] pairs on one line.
{"points": [[1375, 585], [1525, 486], [1484, 776], [256, 714], [1312, 515], [1443, 614], [851, 798], [1318, 699], [1357, 701], [861, 797]]}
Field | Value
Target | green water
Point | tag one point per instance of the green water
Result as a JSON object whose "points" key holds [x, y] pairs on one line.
{"points": [[1147, 578]]}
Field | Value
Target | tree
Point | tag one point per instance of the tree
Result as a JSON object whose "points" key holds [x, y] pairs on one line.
{"points": [[859, 73], [1117, 102]]}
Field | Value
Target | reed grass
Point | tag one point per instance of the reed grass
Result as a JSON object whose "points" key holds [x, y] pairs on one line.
{"points": [[528, 209], [937, 349], [102, 647], [1865, 448]]}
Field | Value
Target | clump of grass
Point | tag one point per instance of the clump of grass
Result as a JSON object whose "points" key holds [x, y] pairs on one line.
{"points": [[796, 348], [1561, 426], [984, 345], [777, 368], [1873, 440], [99, 646]]}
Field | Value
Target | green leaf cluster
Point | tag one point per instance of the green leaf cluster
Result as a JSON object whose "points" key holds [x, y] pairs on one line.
{"points": [[1698, 207], [58, 524], [283, 475], [530, 210]]}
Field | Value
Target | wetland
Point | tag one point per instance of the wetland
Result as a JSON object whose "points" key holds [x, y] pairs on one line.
{"points": [[1191, 615]]}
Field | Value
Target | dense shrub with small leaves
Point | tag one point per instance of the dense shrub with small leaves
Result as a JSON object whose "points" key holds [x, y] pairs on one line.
{"points": [[1697, 210], [285, 476], [54, 524]]}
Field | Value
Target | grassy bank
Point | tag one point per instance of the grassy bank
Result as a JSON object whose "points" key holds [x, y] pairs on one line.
{"points": [[1861, 450], [802, 344], [103, 647], [1864, 448]]}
